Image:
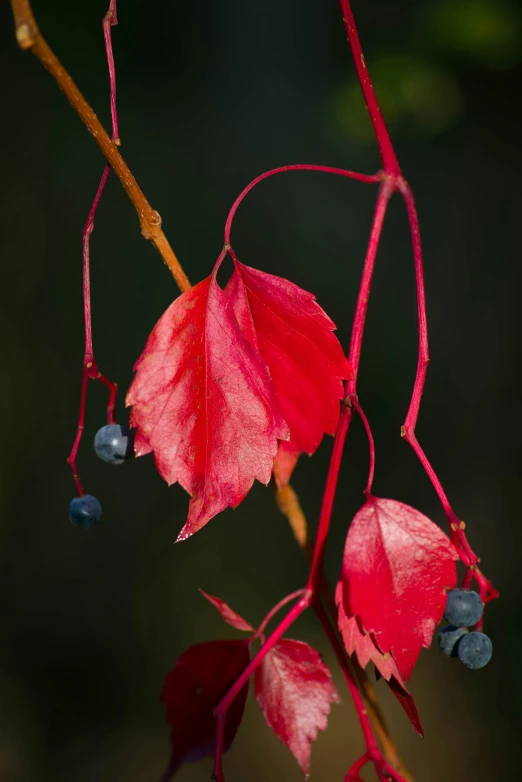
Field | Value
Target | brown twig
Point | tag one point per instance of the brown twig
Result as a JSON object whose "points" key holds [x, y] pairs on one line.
{"points": [[289, 505], [29, 37]]}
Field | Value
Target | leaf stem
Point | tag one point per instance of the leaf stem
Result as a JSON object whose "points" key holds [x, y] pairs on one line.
{"points": [[352, 399], [385, 193], [368, 178], [29, 37], [278, 607]]}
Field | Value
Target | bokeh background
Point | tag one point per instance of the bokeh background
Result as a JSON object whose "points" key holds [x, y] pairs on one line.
{"points": [[209, 96]]}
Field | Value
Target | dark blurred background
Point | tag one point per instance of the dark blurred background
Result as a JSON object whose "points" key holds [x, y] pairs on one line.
{"points": [[209, 96]]}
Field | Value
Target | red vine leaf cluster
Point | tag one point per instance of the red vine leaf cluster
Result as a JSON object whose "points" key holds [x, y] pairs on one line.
{"points": [[293, 687], [226, 377]]}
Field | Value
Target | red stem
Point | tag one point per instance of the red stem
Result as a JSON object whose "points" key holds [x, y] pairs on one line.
{"points": [[385, 193], [368, 178], [71, 459], [389, 158], [352, 775], [458, 536], [371, 444], [372, 751], [86, 236], [424, 355], [90, 369], [278, 607]]}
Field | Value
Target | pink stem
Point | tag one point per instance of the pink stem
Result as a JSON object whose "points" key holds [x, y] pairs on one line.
{"points": [[424, 356], [468, 578], [278, 607], [458, 536], [371, 444], [372, 751], [389, 158], [90, 369], [86, 236], [385, 193], [314, 578], [352, 775], [71, 459], [368, 178]]}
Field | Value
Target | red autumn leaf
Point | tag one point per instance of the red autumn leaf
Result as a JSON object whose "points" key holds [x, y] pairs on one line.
{"points": [[204, 403], [397, 568], [294, 689], [405, 698], [228, 614], [295, 338], [362, 645], [193, 688]]}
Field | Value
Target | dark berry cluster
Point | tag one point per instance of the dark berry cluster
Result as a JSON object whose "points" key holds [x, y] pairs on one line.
{"points": [[463, 610], [114, 444]]}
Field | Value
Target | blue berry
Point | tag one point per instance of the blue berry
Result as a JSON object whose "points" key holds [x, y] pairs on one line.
{"points": [[85, 511], [113, 443], [448, 638], [475, 650], [464, 608]]}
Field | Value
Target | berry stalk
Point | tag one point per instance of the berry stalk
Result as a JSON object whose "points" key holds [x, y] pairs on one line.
{"points": [[457, 527], [352, 399], [90, 368]]}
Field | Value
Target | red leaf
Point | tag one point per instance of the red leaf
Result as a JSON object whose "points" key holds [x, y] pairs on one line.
{"points": [[193, 688], [295, 338], [362, 644], [397, 568], [406, 700], [228, 614], [204, 403], [295, 689]]}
